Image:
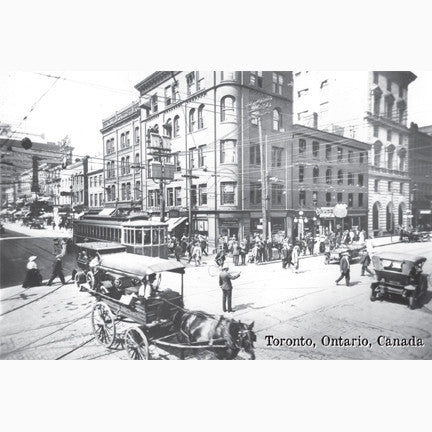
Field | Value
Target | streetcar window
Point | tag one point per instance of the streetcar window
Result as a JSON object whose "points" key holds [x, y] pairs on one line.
{"points": [[118, 234], [162, 237], [155, 236], [138, 236], [147, 237], [132, 236]]}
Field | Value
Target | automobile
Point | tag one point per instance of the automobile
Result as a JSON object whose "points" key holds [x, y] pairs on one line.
{"points": [[399, 275], [415, 236], [353, 249], [37, 223]]}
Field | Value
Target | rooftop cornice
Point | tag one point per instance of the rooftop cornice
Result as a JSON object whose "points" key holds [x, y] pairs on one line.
{"points": [[154, 80]]}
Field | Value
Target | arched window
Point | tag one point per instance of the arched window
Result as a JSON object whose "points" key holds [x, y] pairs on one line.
{"points": [[340, 177], [228, 108], [137, 162], [122, 165], [389, 218], [168, 128], [123, 191], [377, 153], [192, 120], [315, 174], [401, 213], [277, 119], [127, 165], [328, 176], [176, 126], [350, 179], [108, 191], [200, 116], [390, 156], [113, 193], [108, 169], [128, 191]]}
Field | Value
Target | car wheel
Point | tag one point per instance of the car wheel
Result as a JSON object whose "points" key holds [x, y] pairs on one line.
{"points": [[412, 302]]}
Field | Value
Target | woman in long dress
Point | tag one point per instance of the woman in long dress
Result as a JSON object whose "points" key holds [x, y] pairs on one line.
{"points": [[33, 277]]}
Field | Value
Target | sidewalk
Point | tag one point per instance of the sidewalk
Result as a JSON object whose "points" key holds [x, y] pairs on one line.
{"points": [[45, 232]]}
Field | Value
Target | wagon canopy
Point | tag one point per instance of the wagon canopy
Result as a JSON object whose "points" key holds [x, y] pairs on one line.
{"points": [[138, 265], [400, 256]]}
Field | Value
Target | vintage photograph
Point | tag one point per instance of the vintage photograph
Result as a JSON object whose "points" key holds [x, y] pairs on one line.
{"points": [[262, 215]]}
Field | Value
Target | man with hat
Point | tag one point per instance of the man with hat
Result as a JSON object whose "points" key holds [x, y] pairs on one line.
{"points": [[344, 266], [57, 271], [225, 278]]}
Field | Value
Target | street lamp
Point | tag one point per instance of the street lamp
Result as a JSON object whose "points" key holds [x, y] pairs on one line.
{"points": [[300, 220]]}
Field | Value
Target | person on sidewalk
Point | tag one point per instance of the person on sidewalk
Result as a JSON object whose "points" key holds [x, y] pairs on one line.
{"points": [[243, 251], [225, 284], [235, 252], [295, 258], [57, 271], [203, 244], [284, 254], [220, 257], [344, 266], [365, 261], [33, 277], [178, 251]]}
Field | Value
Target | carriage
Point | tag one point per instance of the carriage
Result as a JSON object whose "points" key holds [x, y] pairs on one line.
{"points": [[132, 309], [400, 275], [353, 250]]}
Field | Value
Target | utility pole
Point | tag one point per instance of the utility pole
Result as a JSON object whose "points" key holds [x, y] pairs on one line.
{"points": [[258, 109], [189, 177]]}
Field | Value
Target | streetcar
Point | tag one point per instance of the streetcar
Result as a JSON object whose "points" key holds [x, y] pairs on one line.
{"points": [[137, 233]]}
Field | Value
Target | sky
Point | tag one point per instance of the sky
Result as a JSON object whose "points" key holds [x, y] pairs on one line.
{"points": [[76, 104]]}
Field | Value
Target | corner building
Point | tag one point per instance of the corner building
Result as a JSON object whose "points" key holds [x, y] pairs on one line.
{"points": [[215, 138], [371, 107]]}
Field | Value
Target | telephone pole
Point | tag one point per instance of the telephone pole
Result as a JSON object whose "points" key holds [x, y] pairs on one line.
{"points": [[258, 109], [189, 177]]}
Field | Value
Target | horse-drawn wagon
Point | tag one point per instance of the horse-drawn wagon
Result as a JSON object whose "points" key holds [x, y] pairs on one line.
{"points": [[133, 309]]}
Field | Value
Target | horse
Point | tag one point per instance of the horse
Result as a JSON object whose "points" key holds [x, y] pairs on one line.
{"points": [[200, 327]]}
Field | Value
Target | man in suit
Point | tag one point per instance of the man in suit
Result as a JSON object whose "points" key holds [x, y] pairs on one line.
{"points": [[236, 252], [344, 268], [57, 271], [225, 284], [365, 261]]}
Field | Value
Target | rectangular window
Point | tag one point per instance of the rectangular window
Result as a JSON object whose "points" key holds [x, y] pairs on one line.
{"points": [[389, 186], [315, 148], [255, 194], [91, 181], [278, 81], [201, 156], [127, 139], [137, 137], [254, 154], [302, 146], [350, 199], [339, 197], [328, 198], [175, 96], [276, 194], [328, 151], [301, 173], [228, 151], [228, 193], [202, 196], [170, 197], [168, 96], [389, 135], [302, 198], [276, 157], [350, 156], [401, 188], [361, 157], [376, 185], [190, 83], [154, 103], [360, 180], [339, 154], [193, 195], [177, 196], [91, 200], [376, 131], [192, 158], [360, 200], [256, 78]]}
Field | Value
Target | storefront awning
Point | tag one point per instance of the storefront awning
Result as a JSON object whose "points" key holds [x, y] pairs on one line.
{"points": [[172, 222], [107, 211]]}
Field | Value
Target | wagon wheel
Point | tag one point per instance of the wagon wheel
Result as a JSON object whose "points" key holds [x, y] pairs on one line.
{"points": [[103, 323], [136, 344]]}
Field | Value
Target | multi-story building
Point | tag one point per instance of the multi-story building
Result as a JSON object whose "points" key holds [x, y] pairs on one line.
{"points": [[420, 168], [327, 169], [122, 149], [370, 107], [74, 179], [215, 139], [96, 189]]}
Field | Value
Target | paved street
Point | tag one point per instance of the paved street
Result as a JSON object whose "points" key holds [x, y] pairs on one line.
{"points": [[53, 322]]}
